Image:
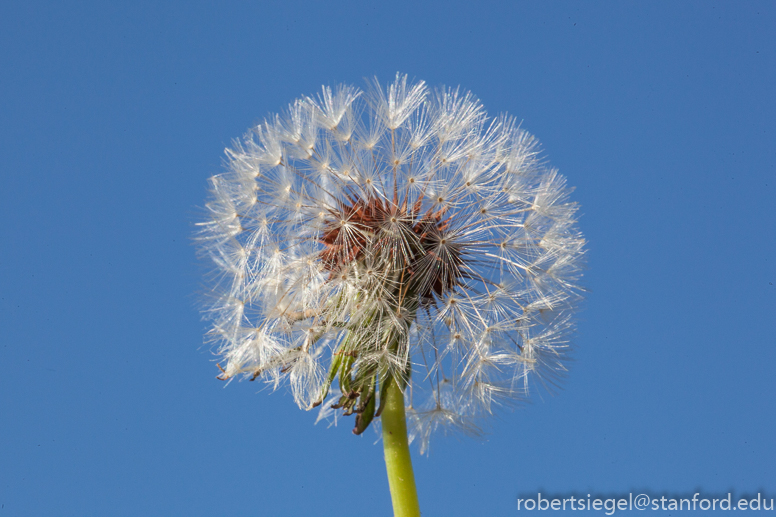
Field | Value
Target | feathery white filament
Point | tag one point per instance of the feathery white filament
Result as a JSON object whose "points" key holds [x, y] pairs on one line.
{"points": [[405, 229]]}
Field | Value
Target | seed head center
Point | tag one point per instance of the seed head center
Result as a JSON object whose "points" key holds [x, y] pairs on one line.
{"points": [[401, 250]]}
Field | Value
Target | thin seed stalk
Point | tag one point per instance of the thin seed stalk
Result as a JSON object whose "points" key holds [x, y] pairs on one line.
{"points": [[398, 462]]}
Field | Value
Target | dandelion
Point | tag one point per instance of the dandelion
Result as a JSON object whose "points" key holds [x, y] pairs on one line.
{"points": [[396, 255]]}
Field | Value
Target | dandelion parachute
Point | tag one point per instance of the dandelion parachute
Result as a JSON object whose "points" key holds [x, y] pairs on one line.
{"points": [[392, 232]]}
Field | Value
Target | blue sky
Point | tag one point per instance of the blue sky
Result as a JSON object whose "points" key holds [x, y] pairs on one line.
{"points": [[662, 114]]}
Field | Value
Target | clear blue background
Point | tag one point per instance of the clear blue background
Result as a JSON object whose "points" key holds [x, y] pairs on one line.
{"points": [[112, 117]]}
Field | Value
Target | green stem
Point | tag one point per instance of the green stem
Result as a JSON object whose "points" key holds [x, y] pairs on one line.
{"points": [[398, 462]]}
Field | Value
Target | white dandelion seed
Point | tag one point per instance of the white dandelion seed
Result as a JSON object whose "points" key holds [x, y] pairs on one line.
{"points": [[393, 234]]}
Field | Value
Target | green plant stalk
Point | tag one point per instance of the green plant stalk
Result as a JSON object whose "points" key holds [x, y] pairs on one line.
{"points": [[398, 462]]}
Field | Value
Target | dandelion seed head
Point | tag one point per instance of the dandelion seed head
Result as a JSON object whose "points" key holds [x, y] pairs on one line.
{"points": [[395, 231]]}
